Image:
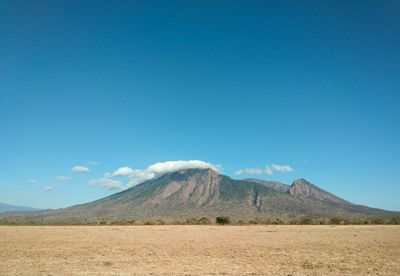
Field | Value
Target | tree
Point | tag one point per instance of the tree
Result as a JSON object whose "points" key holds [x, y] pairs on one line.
{"points": [[223, 220]]}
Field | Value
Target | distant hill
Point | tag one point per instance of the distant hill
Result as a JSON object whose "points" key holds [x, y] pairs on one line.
{"points": [[205, 193], [5, 208]]}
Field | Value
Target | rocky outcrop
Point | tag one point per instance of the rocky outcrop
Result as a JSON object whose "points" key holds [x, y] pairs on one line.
{"points": [[302, 187]]}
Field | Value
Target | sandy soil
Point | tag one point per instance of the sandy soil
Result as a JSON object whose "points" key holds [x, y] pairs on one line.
{"points": [[199, 250]]}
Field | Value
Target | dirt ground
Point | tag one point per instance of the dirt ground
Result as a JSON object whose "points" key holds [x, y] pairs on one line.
{"points": [[199, 250]]}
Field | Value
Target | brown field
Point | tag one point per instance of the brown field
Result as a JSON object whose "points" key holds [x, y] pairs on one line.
{"points": [[199, 250]]}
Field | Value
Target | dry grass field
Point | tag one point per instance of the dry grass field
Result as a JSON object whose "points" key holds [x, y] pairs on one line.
{"points": [[199, 250]]}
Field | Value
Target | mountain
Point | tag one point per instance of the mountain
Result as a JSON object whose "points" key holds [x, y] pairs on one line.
{"points": [[5, 208], [195, 193]]}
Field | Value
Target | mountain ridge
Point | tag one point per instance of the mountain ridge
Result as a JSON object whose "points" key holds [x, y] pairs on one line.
{"points": [[206, 193]]}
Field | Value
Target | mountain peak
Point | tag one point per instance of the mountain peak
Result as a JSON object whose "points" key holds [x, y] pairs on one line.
{"points": [[301, 181], [302, 187], [182, 174], [185, 173]]}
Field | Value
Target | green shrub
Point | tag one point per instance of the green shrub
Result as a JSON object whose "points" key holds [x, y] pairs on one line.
{"points": [[204, 221], [191, 221], [377, 221], [223, 220], [306, 221], [335, 220]]}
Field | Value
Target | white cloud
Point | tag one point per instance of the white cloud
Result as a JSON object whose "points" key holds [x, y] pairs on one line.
{"points": [[63, 178], [80, 169], [123, 171], [32, 181], [249, 171], [281, 168], [106, 182], [137, 176], [48, 188], [94, 163], [269, 169]]}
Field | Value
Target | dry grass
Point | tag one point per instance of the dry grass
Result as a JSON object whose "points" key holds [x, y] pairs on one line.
{"points": [[199, 250]]}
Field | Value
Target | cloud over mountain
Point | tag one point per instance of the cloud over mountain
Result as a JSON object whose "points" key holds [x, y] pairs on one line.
{"points": [[160, 168], [137, 176]]}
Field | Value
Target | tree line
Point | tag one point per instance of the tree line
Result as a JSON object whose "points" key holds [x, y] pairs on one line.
{"points": [[223, 220]]}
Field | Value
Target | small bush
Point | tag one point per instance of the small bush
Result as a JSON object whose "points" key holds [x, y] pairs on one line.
{"points": [[335, 220], [223, 220], [377, 221], [191, 221], [306, 221], [277, 221], [204, 221]]}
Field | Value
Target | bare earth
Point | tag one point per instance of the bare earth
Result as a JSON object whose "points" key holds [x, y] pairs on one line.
{"points": [[199, 250]]}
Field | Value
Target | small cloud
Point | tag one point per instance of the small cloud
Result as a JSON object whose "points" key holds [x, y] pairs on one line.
{"points": [[249, 171], [94, 163], [63, 178], [80, 169], [281, 168], [269, 169], [32, 181], [106, 182], [48, 188], [123, 171]]}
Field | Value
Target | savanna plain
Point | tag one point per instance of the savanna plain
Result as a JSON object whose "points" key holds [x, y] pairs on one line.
{"points": [[200, 250]]}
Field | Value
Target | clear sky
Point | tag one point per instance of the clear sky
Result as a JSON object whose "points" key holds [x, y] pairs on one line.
{"points": [[312, 85]]}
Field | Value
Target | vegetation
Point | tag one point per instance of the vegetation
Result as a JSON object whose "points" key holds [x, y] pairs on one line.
{"points": [[306, 221], [223, 220], [336, 220]]}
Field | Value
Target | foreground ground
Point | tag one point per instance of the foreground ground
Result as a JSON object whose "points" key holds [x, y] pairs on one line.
{"points": [[194, 250]]}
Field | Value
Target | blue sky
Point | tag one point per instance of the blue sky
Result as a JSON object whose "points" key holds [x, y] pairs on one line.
{"points": [[313, 85]]}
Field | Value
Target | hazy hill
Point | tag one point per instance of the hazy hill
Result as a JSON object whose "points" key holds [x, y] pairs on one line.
{"points": [[197, 193], [5, 208]]}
